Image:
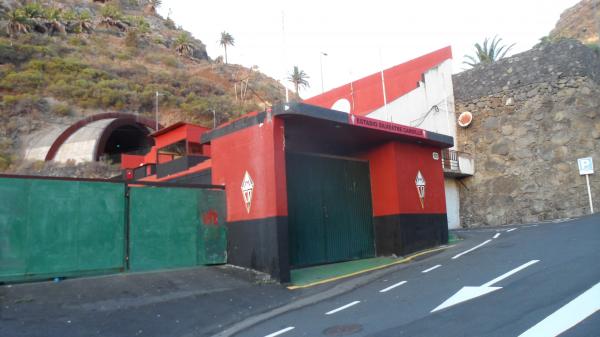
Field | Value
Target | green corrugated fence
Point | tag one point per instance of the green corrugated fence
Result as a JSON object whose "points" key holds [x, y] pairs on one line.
{"points": [[63, 228]]}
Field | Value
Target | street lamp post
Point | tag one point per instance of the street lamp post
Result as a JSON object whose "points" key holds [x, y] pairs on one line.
{"points": [[321, 62], [156, 109]]}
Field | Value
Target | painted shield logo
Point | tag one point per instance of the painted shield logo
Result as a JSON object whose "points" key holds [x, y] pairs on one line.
{"points": [[420, 182], [247, 188]]}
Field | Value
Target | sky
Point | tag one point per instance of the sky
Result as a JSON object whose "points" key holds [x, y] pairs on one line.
{"points": [[359, 37]]}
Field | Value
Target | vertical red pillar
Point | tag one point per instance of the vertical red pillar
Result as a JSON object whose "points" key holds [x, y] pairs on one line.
{"points": [[403, 221], [248, 157]]}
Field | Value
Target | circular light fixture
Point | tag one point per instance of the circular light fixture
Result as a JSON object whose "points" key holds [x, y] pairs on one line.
{"points": [[465, 119]]}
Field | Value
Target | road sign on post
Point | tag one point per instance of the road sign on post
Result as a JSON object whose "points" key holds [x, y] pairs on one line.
{"points": [[586, 167]]}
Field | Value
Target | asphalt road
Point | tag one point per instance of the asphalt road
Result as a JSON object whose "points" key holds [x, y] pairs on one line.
{"points": [[537, 280]]}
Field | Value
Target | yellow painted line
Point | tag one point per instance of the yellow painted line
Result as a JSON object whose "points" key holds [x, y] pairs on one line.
{"points": [[404, 260]]}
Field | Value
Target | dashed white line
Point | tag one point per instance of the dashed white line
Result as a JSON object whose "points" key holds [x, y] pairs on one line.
{"points": [[432, 268], [392, 287], [470, 250], [505, 275], [282, 331], [510, 230], [342, 308], [496, 236]]}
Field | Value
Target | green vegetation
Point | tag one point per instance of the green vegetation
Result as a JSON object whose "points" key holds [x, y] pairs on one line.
{"points": [[183, 44], [595, 47], [56, 63], [489, 52]]}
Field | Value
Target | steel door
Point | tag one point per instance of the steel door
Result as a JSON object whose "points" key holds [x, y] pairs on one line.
{"points": [[329, 209]]}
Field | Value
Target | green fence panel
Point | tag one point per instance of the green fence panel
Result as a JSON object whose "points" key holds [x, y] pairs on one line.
{"points": [[175, 228], [13, 227], [60, 228], [212, 242]]}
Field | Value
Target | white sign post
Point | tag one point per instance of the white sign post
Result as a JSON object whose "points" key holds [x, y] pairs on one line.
{"points": [[586, 167]]}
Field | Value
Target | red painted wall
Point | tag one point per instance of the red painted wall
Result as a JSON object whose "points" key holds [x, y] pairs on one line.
{"points": [[394, 168], [366, 94], [258, 149]]}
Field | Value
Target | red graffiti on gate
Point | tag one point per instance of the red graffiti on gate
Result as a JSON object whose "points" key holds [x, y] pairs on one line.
{"points": [[210, 217]]}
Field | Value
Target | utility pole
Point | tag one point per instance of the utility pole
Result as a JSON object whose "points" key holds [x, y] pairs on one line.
{"points": [[156, 111], [321, 62]]}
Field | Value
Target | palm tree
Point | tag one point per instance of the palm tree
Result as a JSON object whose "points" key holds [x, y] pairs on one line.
{"points": [[83, 22], [299, 78], [226, 40], [111, 16], [488, 53], [53, 21], [17, 23], [183, 45]]}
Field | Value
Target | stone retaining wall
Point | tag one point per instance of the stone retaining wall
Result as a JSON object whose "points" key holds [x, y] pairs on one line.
{"points": [[526, 140]]}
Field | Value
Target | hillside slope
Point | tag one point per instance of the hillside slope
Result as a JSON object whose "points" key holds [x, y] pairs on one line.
{"points": [[581, 22], [62, 60]]}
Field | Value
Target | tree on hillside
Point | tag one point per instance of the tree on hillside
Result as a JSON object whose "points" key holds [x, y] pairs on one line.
{"points": [[489, 52], [53, 21], [112, 17], [183, 45], [79, 22], [153, 5], [299, 78], [226, 40], [17, 23]]}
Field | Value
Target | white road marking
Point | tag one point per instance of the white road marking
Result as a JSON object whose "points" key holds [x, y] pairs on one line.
{"points": [[392, 287], [568, 316], [432, 268], [470, 250], [342, 308], [496, 236], [505, 275], [282, 331], [510, 230], [469, 293]]}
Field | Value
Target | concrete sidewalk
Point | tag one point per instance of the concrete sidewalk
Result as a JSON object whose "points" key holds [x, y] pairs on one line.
{"points": [[199, 301]]}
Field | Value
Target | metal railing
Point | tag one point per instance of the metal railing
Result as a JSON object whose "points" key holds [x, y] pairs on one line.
{"points": [[450, 160]]}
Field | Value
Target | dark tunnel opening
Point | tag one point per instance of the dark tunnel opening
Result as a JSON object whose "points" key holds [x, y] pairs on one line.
{"points": [[130, 139]]}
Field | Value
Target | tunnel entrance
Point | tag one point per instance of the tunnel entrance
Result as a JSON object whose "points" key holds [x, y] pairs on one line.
{"points": [[130, 139]]}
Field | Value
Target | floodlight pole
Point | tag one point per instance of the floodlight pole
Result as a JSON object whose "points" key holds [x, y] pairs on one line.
{"points": [[321, 63]]}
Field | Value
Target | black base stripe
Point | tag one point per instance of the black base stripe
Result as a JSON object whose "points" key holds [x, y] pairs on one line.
{"points": [[403, 234], [260, 245]]}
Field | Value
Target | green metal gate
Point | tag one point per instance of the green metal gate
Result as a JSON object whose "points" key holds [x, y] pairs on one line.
{"points": [[56, 227], [329, 209], [176, 227], [52, 228]]}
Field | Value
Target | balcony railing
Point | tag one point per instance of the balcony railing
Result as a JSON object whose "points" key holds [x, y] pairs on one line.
{"points": [[457, 164]]}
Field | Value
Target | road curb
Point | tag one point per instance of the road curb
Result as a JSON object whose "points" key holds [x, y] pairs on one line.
{"points": [[336, 278], [335, 291]]}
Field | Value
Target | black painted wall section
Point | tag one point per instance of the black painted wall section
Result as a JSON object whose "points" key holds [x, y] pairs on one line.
{"points": [[261, 245], [407, 233], [202, 177]]}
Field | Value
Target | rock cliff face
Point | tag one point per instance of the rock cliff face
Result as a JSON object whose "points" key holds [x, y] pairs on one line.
{"points": [[534, 114], [581, 22]]}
